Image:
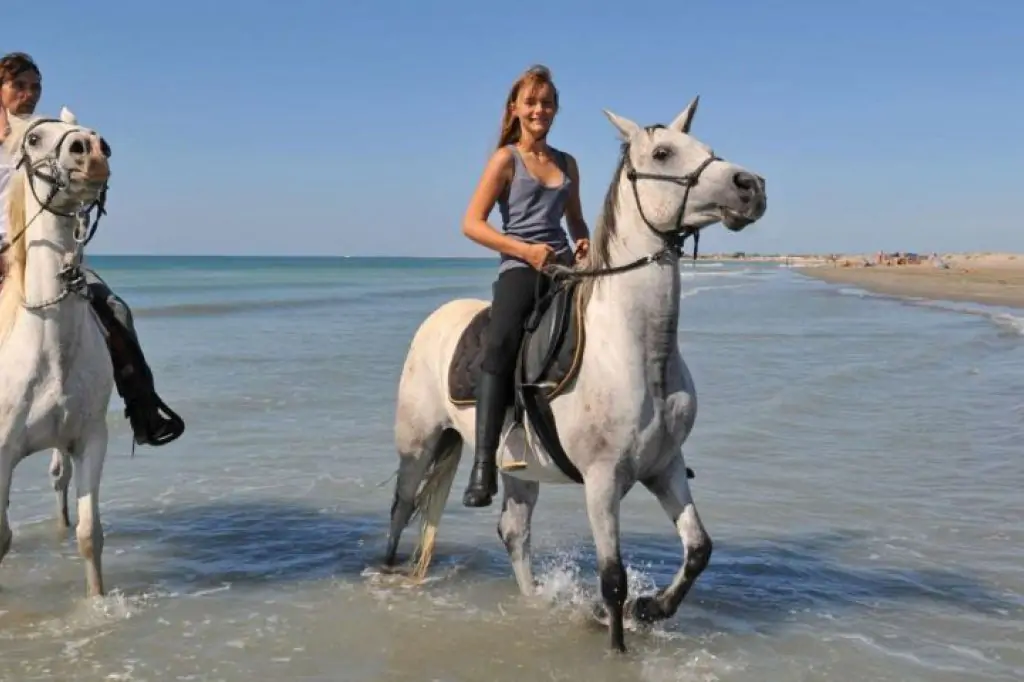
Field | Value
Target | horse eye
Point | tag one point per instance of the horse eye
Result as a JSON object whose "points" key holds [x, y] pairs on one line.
{"points": [[661, 153], [32, 140]]}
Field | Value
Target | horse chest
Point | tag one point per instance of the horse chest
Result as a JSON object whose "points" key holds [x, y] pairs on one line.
{"points": [[63, 396]]}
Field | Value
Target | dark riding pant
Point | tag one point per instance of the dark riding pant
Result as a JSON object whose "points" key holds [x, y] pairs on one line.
{"points": [[515, 293], [101, 292]]}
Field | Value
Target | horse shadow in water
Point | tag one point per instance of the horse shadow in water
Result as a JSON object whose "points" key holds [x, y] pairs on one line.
{"points": [[246, 544]]}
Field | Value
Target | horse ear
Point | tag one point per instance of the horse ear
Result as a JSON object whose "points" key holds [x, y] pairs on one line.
{"points": [[68, 117], [683, 120], [628, 129]]}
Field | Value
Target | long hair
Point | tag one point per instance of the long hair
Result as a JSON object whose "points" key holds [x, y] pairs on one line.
{"points": [[533, 77]]}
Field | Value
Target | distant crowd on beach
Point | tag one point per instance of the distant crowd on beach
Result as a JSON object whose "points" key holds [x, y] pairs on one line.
{"points": [[889, 259]]}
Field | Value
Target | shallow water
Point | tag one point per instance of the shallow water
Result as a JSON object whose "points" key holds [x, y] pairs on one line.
{"points": [[858, 465]]}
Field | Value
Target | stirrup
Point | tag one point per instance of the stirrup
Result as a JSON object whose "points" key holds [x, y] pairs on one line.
{"points": [[174, 425], [171, 425]]}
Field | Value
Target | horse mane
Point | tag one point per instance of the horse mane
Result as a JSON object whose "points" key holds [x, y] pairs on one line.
{"points": [[599, 256], [14, 258]]}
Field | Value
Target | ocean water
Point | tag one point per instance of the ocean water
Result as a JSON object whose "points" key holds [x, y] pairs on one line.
{"points": [[859, 466]]}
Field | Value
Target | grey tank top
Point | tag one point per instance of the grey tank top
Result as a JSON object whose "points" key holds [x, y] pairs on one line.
{"points": [[532, 211]]}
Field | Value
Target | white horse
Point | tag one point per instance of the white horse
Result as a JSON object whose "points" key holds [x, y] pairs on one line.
{"points": [[624, 407], [55, 370]]}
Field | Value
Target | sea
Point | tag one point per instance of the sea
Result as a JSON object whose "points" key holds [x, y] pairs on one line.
{"points": [[859, 463]]}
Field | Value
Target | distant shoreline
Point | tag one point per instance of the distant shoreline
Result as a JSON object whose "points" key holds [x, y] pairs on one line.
{"points": [[988, 279]]}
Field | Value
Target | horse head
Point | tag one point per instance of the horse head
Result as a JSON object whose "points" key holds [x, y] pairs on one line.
{"points": [[680, 185], [66, 165]]}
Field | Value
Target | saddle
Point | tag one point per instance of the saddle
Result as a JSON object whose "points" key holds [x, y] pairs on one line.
{"points": [[549, 358]]}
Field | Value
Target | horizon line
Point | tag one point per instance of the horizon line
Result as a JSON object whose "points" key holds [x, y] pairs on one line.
{"points": [[709, 256]]}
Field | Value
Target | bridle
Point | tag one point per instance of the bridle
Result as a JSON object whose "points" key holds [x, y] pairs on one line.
{"points": [[47, 169], [673, 240], [677, 237]]}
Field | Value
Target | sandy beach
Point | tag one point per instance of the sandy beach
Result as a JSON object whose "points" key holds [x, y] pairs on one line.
{"points": [[988, 278]]}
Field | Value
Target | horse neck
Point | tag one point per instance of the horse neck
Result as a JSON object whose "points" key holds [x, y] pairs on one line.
{"points": [[54, 330], [49, 242], [643, 303]]}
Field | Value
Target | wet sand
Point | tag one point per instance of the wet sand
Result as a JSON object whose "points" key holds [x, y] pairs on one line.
{"points": [[996, 279]]}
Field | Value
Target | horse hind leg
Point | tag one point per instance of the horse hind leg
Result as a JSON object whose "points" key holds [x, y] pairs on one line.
{"points": [[435, 459], [60, 477], [520, 499], [672, 489]]}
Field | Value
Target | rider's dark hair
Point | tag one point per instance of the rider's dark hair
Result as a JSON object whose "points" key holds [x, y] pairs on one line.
{"points": [[14, 64]]}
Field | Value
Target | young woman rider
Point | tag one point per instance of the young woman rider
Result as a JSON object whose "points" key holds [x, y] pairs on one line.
{"points": [[535, 185]]}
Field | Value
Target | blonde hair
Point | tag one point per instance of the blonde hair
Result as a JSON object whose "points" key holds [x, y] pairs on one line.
{"points": [[533, 77]]}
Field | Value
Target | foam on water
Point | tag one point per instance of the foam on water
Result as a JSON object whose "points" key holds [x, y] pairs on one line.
{"points": [[1007, 321]]}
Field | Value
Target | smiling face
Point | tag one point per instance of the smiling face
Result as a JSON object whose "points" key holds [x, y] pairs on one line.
{"points": [[680, 181], [535, 106], [530, 106]]}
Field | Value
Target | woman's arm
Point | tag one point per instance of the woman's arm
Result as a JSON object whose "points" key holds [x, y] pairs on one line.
{"points": [[574, 210], [497, 173]]}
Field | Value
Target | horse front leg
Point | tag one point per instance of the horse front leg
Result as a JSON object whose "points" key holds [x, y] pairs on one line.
{"points": [[604, 493], [520, 499], [88, 471], [672, 488]]}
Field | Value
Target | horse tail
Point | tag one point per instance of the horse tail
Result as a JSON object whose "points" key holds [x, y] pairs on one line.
{"points": [[433, 496]]}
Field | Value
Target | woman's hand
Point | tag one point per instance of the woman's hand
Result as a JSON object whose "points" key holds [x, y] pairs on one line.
{"points": [[537, 255], [582, 249]]}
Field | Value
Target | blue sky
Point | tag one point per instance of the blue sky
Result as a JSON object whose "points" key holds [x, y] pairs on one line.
{"points": [[360, 127]]}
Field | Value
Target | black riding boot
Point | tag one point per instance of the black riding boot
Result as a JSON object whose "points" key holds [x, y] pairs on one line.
{"points": [[491, 405], [152, 421]]}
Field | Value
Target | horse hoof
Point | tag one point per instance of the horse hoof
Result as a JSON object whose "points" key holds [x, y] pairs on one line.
{"points": [[646, 610], [598, 615]]}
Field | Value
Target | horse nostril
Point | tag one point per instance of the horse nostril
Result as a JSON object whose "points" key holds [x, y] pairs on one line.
{"points": [[745, 181], [77, 147]]}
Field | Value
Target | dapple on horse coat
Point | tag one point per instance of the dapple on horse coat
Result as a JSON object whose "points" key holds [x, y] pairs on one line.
{"points": [[626, 404], [56, 376]]}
